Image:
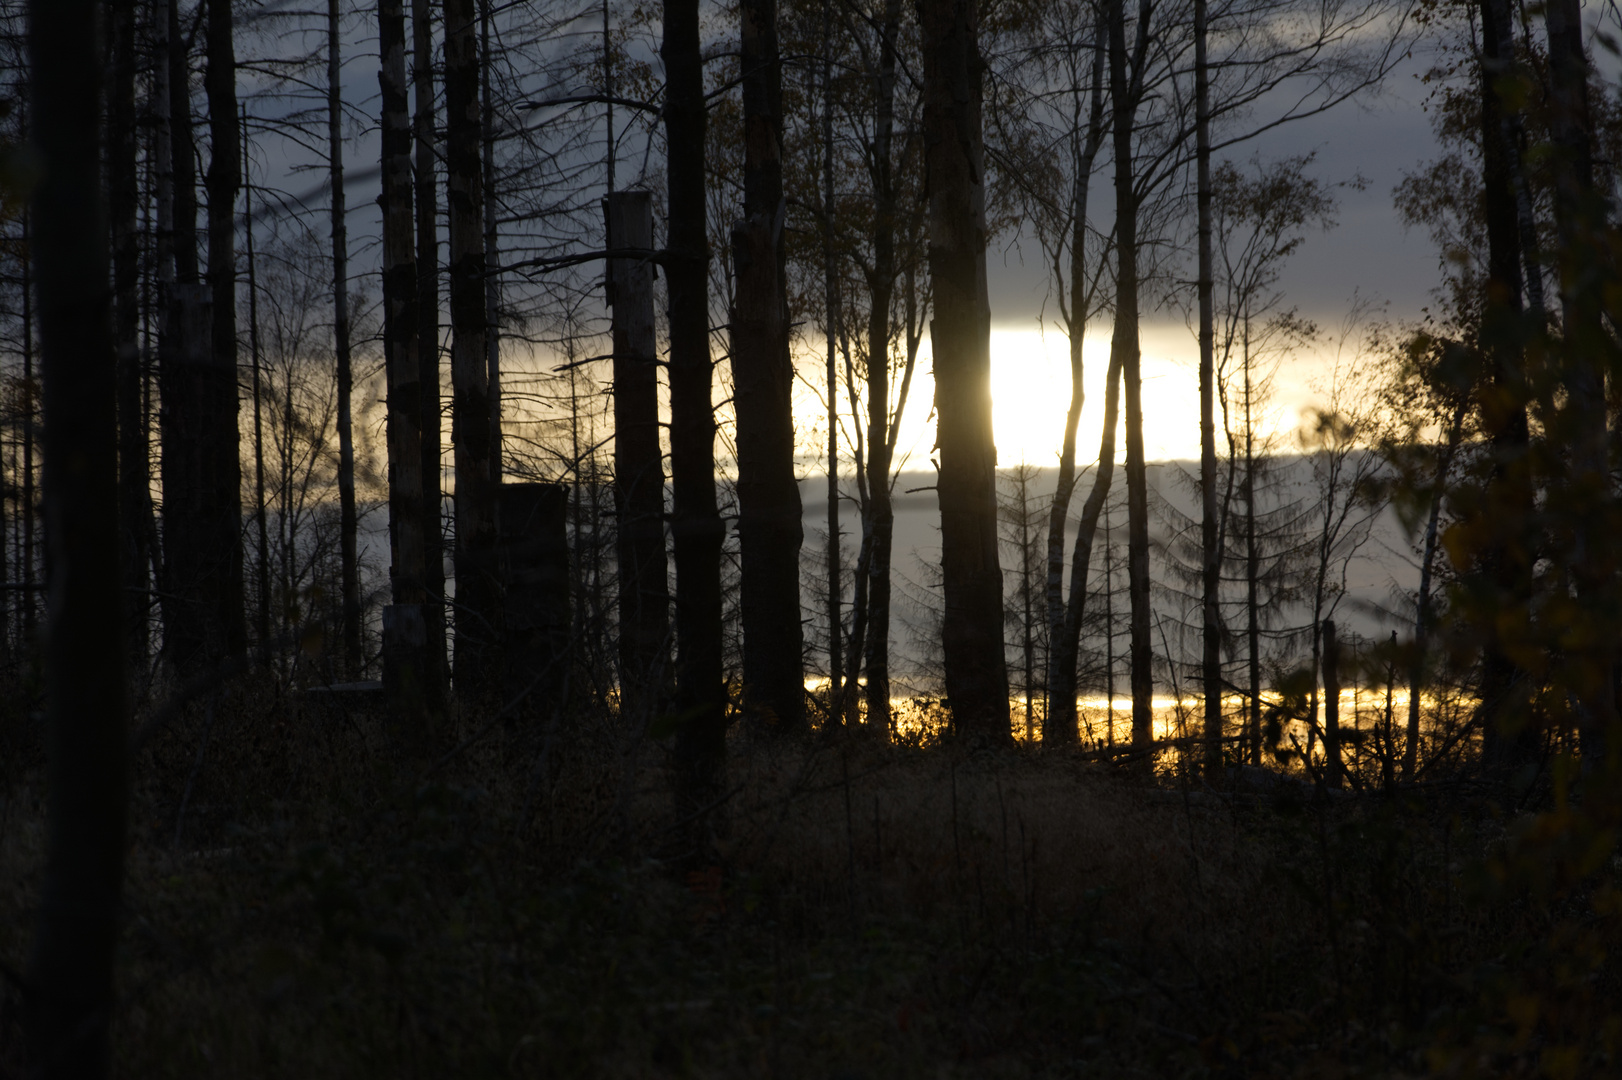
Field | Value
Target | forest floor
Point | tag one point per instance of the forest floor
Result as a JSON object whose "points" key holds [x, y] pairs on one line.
{"points": [[323, 906]]}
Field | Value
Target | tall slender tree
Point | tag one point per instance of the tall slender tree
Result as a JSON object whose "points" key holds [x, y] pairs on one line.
{"points": [[405, 644], [960, 337], [349, 570], [1210, 532], [696, 528], [639, 473], [222, 471], [427, 216], [1126, 90], [478, 588], [70, 978], [123, 198], [1586, 354], [769, 510]]}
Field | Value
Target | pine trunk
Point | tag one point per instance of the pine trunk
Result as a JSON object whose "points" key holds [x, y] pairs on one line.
{"points": [[478, 586], [220, 571], [123, 200], [427, 214], [960, 334], [639, 470], [769, 511], [412, 692], [69, 1004], [349, 572], [700, 750]]}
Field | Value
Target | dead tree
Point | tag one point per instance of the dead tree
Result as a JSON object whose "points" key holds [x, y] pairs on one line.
{"points": [[639, 473], [960, 332], [769, 509], [69, 998]]}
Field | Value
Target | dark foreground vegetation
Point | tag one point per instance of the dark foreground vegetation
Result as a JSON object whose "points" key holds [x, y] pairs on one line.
{"points": [[235, 853], [304, 899]]}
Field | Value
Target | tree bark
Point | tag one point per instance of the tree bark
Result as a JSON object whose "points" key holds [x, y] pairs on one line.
{"points": [[349, 571], [960, 337], [70, 979], [700, 750], [478, 587], [769, 510], [427, 212], [639, 470]]}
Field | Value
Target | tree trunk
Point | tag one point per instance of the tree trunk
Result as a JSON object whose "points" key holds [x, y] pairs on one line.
{"points": [[410, 686], [1331, 673], [262, 611], [133, 459], [1253, 630], [880, 526], [1210, 540], [1422, 618], [427, 203], [492, 254], [349, 571], [960, 336], [769, 509], [1063, 649], [70, 978], [1502, 589], [1124, 100], [639, 469], [700, 749], [1059, 724], [831, 318], [220, 573], [478, 588], [1585, 354]]}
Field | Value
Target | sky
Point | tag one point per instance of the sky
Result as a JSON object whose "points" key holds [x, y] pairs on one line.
{"points": [[1377, 137]]}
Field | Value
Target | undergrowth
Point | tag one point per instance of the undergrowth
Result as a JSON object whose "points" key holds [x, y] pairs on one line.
{"points": [[305, 899]]}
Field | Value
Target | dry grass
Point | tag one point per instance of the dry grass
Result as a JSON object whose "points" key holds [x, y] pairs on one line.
{"points": [[336, 907]]}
